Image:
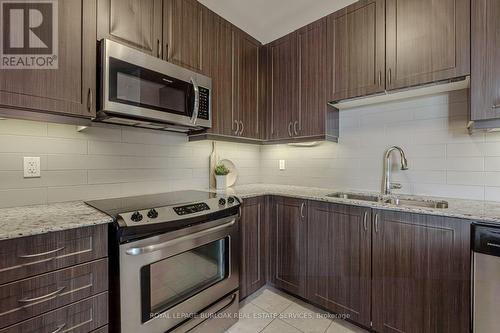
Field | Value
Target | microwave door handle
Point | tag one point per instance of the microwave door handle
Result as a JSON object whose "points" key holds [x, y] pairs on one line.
{"points": [[196, 109]]}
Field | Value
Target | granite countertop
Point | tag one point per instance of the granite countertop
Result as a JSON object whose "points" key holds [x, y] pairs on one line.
{"points": [[31, 220], [479, 211], [40, 219]]}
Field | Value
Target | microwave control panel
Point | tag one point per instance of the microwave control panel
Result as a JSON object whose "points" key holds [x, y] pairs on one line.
{"points": [[204, 111]]}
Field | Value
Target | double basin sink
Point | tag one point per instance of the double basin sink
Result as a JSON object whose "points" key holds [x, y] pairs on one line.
{"points": [[436, 204]]}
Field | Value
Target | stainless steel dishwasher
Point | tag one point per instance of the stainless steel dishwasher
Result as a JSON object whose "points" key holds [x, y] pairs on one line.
{"points": [[486, 306]]}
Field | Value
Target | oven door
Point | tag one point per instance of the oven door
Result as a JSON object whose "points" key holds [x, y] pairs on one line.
{"points": [[167, 279], [138, 86]]}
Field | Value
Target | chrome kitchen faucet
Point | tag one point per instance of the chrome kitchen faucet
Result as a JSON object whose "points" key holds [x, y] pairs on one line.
{"points": [[387, 185]]}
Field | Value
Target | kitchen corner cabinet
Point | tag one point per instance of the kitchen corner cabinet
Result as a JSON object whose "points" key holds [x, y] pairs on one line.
{"points": [[339, 259], [68, 90], [421, 273], [288, 244], [485, 71], [182, 33], [135, 23], [284, 87], [427, 41], [356, 50], [253, 245]]}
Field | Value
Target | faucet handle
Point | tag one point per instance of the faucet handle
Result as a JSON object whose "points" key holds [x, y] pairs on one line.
{"points": [[396, 186]]}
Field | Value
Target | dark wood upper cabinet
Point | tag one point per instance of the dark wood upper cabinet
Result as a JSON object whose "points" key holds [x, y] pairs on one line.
{"points": [[288, 244], [182, 33], [69, 89], [339, 259], [356, 50], [246, 62], [136, 23], [421, 273], [427, 41], [485, 71], [283, 81], [253, 245]]}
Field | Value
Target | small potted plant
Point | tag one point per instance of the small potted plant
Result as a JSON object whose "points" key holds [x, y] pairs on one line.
{"points": [[221, 172]]}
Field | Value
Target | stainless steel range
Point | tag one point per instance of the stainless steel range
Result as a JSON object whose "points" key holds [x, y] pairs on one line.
{"points": [[173, 262]]}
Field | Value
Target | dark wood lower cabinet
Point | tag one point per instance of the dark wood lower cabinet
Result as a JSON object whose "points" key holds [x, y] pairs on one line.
{"points": [[288, 232], [253, 245], [421, 273], [339, 259]]}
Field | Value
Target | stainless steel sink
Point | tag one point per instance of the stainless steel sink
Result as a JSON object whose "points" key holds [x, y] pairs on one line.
{"points": [[406, 202], [353, 196], [438, 204]]}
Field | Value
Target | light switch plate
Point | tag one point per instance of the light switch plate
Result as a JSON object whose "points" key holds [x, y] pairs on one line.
{"points": [[31, 167], [282, 165]]}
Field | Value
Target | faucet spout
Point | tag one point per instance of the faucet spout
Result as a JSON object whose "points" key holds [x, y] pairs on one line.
{"points": [[387, 185]]}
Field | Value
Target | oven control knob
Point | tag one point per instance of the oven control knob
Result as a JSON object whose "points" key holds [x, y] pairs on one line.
{"points": [[152, 214], [136, 217], [230, 200], [222, 201]]}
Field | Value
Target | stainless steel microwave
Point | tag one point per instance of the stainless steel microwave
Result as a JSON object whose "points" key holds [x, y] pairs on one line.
{"points": [[137, 89]]}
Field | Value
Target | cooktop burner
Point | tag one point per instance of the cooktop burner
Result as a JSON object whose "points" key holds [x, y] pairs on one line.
{"points": [[174, 208]]}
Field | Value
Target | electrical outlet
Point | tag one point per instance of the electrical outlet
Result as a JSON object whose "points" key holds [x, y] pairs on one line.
{"points": [[31, 167], [282, 165]]}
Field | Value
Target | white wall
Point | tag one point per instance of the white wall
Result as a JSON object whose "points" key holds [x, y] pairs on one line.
{"points": [[443, 159], [106, 161]]}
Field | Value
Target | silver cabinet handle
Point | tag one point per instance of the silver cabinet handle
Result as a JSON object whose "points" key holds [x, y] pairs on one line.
{"points": [[380, 78], [237, 131], [365, 221], [36, 255], [242, 128], [52, 294], [196, 109], [493, 245], [166, 51], [389, 76], [290, 129], [496, 106], [135, 251], [376, 224], [302, 206], [59, 328], [295, 125], [158, 51]]}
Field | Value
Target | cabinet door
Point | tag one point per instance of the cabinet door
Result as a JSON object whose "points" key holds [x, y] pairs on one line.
{"points": [[253, 246], [356, 50], [485, 75], [182, 24], [427, 41], [69, 89], [421, 273], [136, 23], [247, 85], [339, 259], [312, 79], [284, 86], [288, 244]]}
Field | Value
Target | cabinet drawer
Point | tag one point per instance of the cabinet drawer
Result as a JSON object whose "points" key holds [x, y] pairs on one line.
{"points": [[30, 297], [81, 317], [33, 255]]}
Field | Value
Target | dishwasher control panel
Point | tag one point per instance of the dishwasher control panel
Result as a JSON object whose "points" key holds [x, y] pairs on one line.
{"points": [[486, 240]]}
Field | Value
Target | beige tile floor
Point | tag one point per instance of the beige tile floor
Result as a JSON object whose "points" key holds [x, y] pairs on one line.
{"points": [[272, 311]]}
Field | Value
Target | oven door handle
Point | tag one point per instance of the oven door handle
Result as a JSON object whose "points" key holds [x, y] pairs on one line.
{"points": [[135, 251], [196, 107]]}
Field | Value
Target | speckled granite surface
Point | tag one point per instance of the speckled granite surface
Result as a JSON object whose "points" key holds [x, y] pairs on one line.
{"points": [[480, 211], [32, 220]]}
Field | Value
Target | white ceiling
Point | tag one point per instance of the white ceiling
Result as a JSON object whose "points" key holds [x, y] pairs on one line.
{"points": [[267, 20]]}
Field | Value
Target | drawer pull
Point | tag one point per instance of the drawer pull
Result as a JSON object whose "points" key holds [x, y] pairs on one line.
{"points": [[36, 299], [494, 245], [41, 254], [59, 329]]}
